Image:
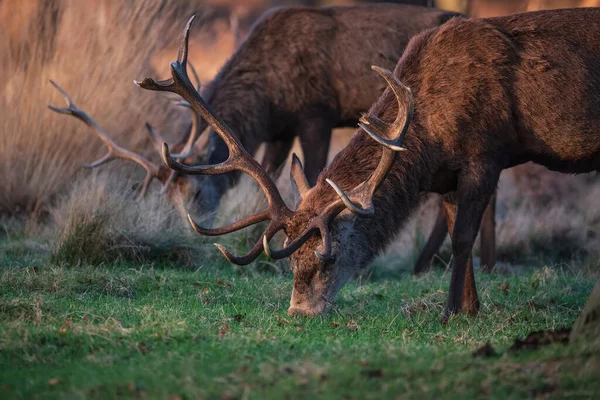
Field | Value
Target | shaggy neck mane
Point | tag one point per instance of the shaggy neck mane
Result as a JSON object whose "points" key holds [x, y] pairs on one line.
{"points": [[238, 99], [400, 193]]}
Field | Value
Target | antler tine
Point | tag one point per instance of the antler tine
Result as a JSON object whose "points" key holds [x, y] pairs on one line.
{"points": [[68, 100], [168, 181], [271, 230], [360, 200], [239, 159], [291, 248], [196, 130], [157, 141], [396, 130], [178, 69], [298, 177], [318, 225], [236, 226], [234, 24], [114, 150], [157, 138]]}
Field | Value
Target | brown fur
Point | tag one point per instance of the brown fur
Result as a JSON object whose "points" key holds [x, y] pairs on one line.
{"points": [[487, 8], [489, 94], [276, 87]]}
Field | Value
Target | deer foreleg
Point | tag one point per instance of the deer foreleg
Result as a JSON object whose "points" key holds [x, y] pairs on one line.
{"points": [[276, 152], [487, 236], [315, 135], [435, 241], [464, 211]]}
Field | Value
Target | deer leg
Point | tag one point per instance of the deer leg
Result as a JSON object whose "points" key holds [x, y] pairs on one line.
{"points": [[470, 300], [315, 136], [487, 236], [436, 238], [464, 211], [276, 152]]}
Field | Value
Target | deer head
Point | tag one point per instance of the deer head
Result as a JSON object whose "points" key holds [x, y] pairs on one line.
{"points": [[319, 230]]}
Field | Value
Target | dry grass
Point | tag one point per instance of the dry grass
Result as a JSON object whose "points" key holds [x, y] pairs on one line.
{"points": [[101, 222], [94, 53]]}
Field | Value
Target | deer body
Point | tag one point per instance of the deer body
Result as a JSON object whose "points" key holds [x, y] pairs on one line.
{"points": [[301, 73], [489, 94]]}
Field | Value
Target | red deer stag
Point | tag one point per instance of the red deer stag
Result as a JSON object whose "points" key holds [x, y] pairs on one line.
{"points": [[488, 8], [488, 94]]}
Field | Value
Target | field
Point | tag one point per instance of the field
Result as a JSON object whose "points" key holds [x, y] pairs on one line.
{"points": [[157, 331], [104, 296], [113, 299]]}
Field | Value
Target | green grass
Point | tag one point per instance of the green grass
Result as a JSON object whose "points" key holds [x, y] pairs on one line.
{"points": [[126, 332]]}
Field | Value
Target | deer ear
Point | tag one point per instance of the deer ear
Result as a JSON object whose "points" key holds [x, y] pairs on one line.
{"points": [[299, 181]]}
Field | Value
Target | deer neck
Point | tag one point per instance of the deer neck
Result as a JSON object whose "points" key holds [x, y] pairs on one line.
{"points": [[399, 195], [246, 111]]}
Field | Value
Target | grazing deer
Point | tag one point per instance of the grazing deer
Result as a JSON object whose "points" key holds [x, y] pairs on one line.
{"points": [[301, 72], [487, 94]]}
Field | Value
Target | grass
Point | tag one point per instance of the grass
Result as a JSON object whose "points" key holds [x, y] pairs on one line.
{"points": [[129, 331]]}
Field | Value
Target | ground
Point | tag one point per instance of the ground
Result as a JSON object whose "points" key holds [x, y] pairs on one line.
{"points": [[129, 331]]}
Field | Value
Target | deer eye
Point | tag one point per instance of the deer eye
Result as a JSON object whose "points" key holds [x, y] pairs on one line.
{"points": [[325, 260], [197, 195]]}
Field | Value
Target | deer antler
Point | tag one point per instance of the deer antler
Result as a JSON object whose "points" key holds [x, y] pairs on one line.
{"points": [[114, 150], [363, 193], [195, 132], [234, 24], [298, 177], [240, 160], [190, 139], [197, 128]]}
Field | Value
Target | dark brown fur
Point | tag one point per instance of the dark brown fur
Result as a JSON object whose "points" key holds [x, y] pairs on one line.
{"points": [[300, 73], [489, 94]]}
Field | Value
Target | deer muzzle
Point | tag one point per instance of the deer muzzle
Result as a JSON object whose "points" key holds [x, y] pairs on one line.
{"points": [[307, 304]]}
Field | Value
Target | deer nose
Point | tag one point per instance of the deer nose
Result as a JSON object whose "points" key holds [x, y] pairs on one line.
{"points": [[307, 311]]}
